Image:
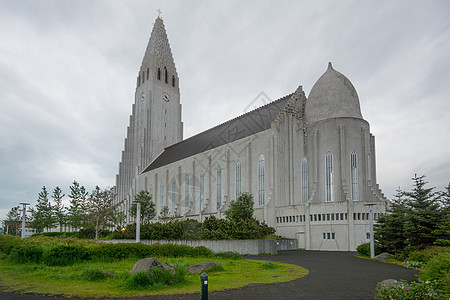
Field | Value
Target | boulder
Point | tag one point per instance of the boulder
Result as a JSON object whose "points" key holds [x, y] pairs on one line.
{"points": [[383, 256], [148, 264], [200, 267]]}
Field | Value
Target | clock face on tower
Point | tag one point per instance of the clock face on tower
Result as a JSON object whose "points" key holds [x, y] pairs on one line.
{"points": [[166, 97]]}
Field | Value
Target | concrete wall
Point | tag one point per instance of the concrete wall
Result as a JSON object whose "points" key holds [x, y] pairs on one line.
{"points": [[243, 247]]}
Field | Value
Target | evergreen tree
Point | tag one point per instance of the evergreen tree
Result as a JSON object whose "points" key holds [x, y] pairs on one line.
{"points": [[241, 209], [389, 229], [58, 207], [100, 209], [423, 215], [148, 211], [43, 213], [75, 211]]}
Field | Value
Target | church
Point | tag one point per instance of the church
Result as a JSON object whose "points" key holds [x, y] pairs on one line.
{"points": [[309, 162]]}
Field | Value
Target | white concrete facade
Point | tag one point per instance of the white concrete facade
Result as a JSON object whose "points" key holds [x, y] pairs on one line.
{"points": [[308, 162]]}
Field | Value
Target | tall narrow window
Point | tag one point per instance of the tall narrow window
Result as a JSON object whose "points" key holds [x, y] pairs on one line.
{"points": [[143, 76], [329, 176], [139, 80], [145, 184], [151, 192], [159, 74], [174, 189], [161, 194], [238, 179], [202, 189], [369, 167], [219, 187], [354, 175], [173, 81], [165, 75], [148, 73], [186, 193], [261, 180], [304, 180]]}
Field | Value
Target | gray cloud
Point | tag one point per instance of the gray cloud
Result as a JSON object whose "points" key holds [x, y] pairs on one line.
{"points": [[68, 71]]}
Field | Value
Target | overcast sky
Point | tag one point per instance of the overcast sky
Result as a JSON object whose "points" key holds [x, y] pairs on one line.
{"points": [[68, 72]]}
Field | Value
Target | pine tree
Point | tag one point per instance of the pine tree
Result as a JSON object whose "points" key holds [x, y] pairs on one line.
{"points": [[148, 211], [58, 207], [75, 211], [43, 213], [423, 215], [389, 229]]}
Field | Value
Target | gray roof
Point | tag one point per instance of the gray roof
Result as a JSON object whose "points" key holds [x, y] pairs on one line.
{"points": [[243, 126]]}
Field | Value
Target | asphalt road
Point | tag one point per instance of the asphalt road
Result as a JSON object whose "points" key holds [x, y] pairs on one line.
{"points": [[332, 275]]}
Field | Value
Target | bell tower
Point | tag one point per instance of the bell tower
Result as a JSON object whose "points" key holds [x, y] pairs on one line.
{"points": [[155, 121]]}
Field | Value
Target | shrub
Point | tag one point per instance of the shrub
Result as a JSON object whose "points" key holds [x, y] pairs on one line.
{"points": [[364, 249], [438, 270], [218, 267], [416, 290], [157, 277], [269, 266], [27, 252], [66, 255]]}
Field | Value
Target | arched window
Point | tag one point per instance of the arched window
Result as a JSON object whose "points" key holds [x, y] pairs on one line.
{"points": [[174, 187], [145, 184], [219, 187], [238, 179], [186, 193], [261, 180], [143, 76], [354, 175], [369, 167], [202, 189], [173, 81], [139, 80], [329, 176], [148, 73], [165, 75], [161, 194], [159, 74], [304, 180]]}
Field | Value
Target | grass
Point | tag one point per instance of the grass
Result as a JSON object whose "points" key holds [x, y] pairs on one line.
{"points": [[107, 279]]}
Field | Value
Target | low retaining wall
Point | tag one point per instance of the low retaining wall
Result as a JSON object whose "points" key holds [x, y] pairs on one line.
{"points": [[243, 247]]}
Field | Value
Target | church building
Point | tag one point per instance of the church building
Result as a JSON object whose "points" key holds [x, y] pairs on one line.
{"points": [[309, 161]]}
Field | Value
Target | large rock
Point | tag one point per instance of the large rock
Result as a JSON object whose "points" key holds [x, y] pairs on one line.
{"points": [[200, 267], [383, 256], [148, 264]]}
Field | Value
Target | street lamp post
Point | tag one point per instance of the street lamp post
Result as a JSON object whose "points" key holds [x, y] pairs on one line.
{"points": [[23, 217], [372, 244], [138, 221]]}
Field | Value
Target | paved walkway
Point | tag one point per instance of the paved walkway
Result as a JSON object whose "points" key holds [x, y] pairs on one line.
{"points": [[332, 275]]}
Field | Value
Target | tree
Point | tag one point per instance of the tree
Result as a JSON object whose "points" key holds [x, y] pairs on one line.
{"points": [[241, 209], [100, 209], [423, 214], [75, 211], [148, 211], [13, 220], [43, 213], [164, 214], [389, 229], [119, 220], [58, 207]]}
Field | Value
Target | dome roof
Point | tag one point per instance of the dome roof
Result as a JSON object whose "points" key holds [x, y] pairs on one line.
{"points": [[332, 96]]}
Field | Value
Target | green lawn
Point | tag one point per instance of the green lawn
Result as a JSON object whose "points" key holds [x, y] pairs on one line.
{"points": [[69, 280]]}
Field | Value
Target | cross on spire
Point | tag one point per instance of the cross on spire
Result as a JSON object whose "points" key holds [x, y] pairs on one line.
{"points": [[159, 13]]}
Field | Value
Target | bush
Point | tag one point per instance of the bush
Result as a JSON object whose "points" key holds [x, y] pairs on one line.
{"points": [[416, 290], [157, 277], [438, 270], [27, 252], [364, 249], [66, 255], [269, 266]]}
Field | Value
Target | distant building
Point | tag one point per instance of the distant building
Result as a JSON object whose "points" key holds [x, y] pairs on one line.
{"points": [[308, 161]]}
